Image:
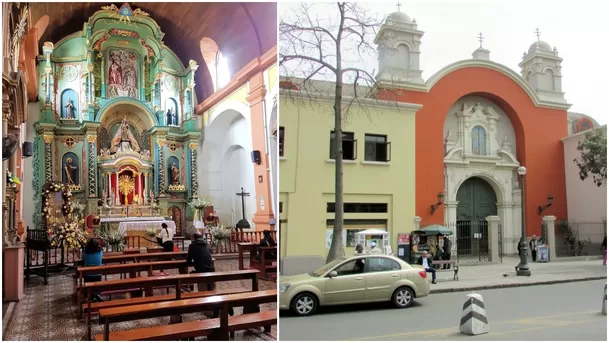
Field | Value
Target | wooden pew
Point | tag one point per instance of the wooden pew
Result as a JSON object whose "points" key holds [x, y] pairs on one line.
{"points": [[174, 281], [130, 268], [155, 249], [266, 264], [243, 247], [218, 328]]}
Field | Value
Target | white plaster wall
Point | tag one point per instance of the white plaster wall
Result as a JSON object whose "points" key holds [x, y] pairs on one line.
{"points": [[28, 210], [225, 164], [504, 126], [586, 202]]}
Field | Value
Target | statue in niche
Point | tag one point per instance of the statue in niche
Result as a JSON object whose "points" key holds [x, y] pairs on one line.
{"points": [[175, 174], [171, 117], [70, 171], [123, 139], [70, 110]]}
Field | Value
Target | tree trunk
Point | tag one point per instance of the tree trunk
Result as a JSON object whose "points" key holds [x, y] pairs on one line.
{"points": [[337, 245]]}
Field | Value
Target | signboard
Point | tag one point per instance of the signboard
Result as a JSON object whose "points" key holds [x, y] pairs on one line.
{"points": [[403, 238], [542, 253], [330, 233]]}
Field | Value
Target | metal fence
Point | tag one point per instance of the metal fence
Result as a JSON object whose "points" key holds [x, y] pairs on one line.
{"points": [[579, 238], [471, 241]]}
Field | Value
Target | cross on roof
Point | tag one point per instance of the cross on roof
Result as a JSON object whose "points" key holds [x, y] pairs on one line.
{"points": [[399, 5], [480, 39], [537, 33]]}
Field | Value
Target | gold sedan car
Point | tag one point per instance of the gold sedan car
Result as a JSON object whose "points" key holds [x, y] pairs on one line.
{"points": [[356, 279]]}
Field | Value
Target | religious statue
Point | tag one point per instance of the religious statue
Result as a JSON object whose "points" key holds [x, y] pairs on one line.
{"points": [[115, 71], [175, 174], [70, 169], [123, 139], [70, 110], [122, 74], [170, 117]]}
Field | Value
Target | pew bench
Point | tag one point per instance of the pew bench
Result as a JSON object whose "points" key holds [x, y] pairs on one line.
{"points": [[266, 265], [172, 281], [215, 329]]}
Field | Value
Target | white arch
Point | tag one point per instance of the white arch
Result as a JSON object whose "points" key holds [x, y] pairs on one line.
{"points": [[400, 42], [228, 105]]}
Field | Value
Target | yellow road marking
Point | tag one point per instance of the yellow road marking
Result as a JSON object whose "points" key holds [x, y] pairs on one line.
{"points": [[447, 331]]}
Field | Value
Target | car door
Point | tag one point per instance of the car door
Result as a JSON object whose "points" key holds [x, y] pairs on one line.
{"points": [[381, 274], [348, 286]]}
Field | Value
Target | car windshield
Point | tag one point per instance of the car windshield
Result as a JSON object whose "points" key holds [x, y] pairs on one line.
{"points": [[321, 271]]}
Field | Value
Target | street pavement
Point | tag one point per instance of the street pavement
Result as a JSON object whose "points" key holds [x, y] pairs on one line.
{"points": [[566, 311], [492, 275]]}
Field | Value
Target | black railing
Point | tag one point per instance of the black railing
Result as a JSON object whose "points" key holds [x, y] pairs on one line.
{"points": [[471, 238]]}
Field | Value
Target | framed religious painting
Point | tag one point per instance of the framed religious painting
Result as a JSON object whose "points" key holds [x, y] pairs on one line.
{"points": [[122, 74]]}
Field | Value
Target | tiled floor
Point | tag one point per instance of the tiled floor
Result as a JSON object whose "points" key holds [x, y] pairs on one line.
{"points": [[49, 313]]}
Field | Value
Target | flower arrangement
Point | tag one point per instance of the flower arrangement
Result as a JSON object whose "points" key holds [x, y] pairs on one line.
{"points": [[68, 235], [199, 205], [66, 209], [11, 179], [78, 208], [116, 240], [220, 233], [151, 232]]}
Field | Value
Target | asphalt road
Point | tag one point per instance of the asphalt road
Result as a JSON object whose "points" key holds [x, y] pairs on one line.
{"points": [[563, 312]]}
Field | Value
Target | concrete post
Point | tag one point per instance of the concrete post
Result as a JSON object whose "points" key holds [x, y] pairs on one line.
{"points": [[493, 237], [417, 223], [549, 222]]}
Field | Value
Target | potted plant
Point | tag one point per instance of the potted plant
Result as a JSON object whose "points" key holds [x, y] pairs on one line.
{"points": [[189, 230], [151, 232], [116, 241]]}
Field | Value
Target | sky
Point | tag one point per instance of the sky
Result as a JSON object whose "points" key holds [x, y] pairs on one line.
{"points": [[451, 29]]}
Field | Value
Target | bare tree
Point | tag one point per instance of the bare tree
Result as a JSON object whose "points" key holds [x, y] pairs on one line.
{"points": [[333, 47]]}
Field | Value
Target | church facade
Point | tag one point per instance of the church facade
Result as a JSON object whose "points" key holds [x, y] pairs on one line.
{"points": [[476, 122]]}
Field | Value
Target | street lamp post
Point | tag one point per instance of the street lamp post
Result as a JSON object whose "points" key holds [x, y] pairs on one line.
{"points": [[522, 269]]}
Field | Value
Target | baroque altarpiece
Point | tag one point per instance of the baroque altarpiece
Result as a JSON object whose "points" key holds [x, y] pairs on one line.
{"points": [[117, 123]]}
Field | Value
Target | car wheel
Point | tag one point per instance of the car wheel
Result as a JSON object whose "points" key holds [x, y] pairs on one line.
{"points": [[403, 297], [304, 304]]}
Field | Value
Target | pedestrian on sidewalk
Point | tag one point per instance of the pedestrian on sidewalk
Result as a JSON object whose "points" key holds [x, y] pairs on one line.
{"points": [[604, 250], [359, 249], [533, 246], [447, 246], [374, 249], [426, 262]]}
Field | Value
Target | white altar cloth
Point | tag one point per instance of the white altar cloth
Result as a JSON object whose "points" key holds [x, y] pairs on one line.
{"points": [[126, 226], [130, 219]]}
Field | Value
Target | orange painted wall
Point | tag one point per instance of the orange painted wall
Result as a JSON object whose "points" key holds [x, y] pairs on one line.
{"points": [[538, 132]]}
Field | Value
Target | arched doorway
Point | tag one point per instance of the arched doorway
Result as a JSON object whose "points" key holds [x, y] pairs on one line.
{"points": [[476, 201]]}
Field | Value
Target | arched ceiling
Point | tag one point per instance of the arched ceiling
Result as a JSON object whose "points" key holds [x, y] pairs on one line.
{"points": [[243, 31]]}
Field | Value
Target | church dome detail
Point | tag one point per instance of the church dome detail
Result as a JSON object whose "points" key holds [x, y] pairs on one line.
{"points": [[400, 17], [540, 45]]}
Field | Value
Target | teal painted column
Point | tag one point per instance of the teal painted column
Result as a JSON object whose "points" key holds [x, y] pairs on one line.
{"points": [[92, 165]]}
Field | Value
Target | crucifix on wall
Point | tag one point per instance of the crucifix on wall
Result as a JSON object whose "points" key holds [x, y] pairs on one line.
{"points": [[243, 223]]}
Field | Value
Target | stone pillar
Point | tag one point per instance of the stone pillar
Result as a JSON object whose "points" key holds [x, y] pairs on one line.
{"points": [[493, 237], [12, 268], [549, 221], [417, 223], [264, 209], [451, 213]]}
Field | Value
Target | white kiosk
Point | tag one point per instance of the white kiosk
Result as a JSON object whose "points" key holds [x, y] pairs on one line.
{"points": [[366, 237]]}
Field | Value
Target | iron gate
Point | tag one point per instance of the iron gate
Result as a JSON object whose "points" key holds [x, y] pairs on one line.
{"points": [[472, 241]]}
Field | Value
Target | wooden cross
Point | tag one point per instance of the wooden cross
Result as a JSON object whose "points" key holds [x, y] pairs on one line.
{"points": [[537, 33], [480, 39], [399, 5], [243, 194], [70, 142]]}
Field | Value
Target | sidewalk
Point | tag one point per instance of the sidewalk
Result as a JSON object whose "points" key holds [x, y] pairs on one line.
{"points": [[491, 275]]}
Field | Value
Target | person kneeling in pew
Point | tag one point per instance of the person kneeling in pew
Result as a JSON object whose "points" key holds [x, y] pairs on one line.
{"points": [[92, 256], [199, 256]]}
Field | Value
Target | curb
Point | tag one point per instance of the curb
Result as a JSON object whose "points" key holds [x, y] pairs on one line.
{"points": [[513, 285], [6, 319]]}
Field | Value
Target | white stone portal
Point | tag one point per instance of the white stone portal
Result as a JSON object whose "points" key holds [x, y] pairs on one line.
{"points": [[480, 142], [225, 164]]}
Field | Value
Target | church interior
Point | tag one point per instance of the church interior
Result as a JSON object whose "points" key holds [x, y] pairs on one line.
{"points": [[120, 119]]}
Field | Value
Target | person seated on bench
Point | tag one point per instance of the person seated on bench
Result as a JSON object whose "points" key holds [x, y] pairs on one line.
{"points": [[425, 261], [92, 257], [199, 256], [165, 238], [267, 241]]}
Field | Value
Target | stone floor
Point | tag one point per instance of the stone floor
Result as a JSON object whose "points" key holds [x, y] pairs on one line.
{"points": [[49, 313]]}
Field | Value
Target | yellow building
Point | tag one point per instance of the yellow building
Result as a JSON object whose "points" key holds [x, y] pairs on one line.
{"points": [[379, 173]]}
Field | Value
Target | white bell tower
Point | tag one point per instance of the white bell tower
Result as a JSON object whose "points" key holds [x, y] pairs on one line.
{"points": [[398, 45], [542, 69]]}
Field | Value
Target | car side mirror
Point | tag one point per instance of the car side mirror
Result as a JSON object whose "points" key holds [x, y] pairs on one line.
{"points": [[333, 273]]}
